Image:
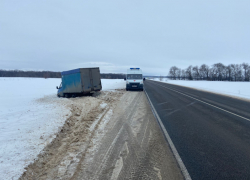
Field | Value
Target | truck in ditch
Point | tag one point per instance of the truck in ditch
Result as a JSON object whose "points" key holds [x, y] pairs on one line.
{"points": [[79, 81]]}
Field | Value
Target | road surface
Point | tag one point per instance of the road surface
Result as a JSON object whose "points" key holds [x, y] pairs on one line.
{"points": [[211, 132]]}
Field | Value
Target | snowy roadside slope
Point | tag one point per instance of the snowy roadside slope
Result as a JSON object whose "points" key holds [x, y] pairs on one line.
{"points": [[237, 89], [30, 116]]}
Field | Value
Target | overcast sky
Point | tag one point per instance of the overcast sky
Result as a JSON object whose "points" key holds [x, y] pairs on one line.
{"points": [[115, 35]]}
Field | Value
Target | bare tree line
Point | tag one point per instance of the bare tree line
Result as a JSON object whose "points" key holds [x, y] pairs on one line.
{"points": [[49, 74], [20, 73], [112, 76], [216, 72]]}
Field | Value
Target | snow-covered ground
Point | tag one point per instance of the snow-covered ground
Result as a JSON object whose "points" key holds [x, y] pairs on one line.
{"points": [[237, 89], [30, 116], [112, 84]]}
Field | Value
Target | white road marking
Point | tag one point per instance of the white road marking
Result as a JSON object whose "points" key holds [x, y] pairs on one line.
{"points": [[117, 169], [162, 103], [205, 102], [171, 144]]}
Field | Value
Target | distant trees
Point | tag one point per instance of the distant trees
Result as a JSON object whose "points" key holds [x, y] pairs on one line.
{"points": [[204, 71], [19, 73], [229, 72], [196, 72], [183, 74], [48, 74], [160, 78], [173, 72], [217, 72], [112, 76], [189, 73], [246, 69]]}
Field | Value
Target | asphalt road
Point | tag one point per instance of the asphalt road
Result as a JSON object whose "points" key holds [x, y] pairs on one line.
{"points": [[211, 132]]}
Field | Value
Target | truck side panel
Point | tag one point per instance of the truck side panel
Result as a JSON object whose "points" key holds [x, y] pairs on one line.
{"points": [[85, 79], [72, 83]]}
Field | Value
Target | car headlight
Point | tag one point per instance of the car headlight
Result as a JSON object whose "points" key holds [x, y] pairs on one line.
{"points": [[141, 82]]}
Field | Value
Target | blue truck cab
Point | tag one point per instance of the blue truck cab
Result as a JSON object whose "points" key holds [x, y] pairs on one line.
{"points": [[79, 81]]}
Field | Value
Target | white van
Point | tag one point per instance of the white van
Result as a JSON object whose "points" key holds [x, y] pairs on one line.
{"points": [[134, 79]]}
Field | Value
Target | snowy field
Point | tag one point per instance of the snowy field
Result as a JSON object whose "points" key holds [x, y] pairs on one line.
{"points": [[30, 116], [112, 84], [236, 89]]}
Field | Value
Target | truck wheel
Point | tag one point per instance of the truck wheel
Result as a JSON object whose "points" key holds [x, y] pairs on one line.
{"points": [[126, 89], [67, 95]]}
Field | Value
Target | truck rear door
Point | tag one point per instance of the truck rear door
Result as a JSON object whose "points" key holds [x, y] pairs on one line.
{"points": [[96, 79]]}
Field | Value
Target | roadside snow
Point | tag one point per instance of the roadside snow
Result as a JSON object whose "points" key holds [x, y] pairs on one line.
{"points": [[30, 117], [112, 84], [30, 114], [238, 89]]}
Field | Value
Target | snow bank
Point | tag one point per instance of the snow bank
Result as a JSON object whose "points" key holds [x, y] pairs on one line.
{"points": [[112, 84], [238, 89], [30, 116]]}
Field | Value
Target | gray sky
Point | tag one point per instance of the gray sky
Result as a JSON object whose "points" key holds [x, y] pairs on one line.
{"points": [[115, 35]]}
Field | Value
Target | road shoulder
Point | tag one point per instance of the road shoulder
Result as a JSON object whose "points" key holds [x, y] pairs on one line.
{"points": [[119, 140]]}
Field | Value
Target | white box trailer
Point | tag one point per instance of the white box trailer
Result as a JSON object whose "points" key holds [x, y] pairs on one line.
{"points": [[134, 79]]}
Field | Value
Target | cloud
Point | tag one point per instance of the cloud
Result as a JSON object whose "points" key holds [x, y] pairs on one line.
{"points": [[116, 35]]}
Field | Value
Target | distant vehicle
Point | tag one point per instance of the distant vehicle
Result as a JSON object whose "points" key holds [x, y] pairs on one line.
{"points": [[134, 79], [79, 81]]}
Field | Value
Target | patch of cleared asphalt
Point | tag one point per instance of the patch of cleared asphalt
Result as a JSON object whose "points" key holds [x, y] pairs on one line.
{"points": [[110, 136]]}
